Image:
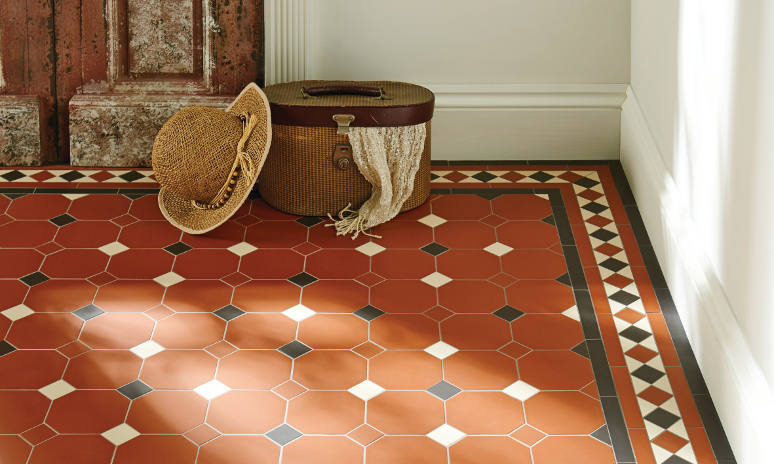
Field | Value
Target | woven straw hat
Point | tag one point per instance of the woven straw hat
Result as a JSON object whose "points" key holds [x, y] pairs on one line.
{"points": [[207, 160]]}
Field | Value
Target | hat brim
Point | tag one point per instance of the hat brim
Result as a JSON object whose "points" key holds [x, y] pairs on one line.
{"points": [[190, 219]]}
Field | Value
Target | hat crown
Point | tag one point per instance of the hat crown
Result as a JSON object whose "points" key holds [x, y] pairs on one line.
{"points": [[194, 152]]}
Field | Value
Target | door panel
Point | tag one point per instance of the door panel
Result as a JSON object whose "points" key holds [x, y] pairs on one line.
{"points": [[107, 73]]}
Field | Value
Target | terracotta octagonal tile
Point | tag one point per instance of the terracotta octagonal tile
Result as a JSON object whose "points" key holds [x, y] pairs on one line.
{"points": [[461, 207], [140, 264], [403, 296], [156, 449], [206, 264], [475, 450], [484, 413], [272, 264], [276, 234], [578, 450], [149, 234], [87, 234], [21, 410], [403, 235], [44, 330], [527, 234], [480, 370], [540, 296], [404, 331], [329, 369], [40, 206], [87, 411], [14, 450], [117, 330], [468, 264], [267, 295], [405, 370], [26, 234], [335, 296], [337, 264], [244, 412], [189, 330], [534, 264], [227, 234], [74, 263], [564, 413], [129, 295], [465, 234], [475, 331], [547, 331], [198, 296], [103, 369], [167, 412], [521, 207], [333, 331], [30, 369], [402, 264], [178, 369], [471, 296], [83, 449], [146, 208], [555, 370], [239, 450], [406, 450], [326, 412], [60, 295], [262, 331], [405, 412], [260, 369], [19, 263], [322, 450], [99, 207]]}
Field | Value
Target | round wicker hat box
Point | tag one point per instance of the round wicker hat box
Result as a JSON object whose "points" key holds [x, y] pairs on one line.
{"points": [[309, 169]]}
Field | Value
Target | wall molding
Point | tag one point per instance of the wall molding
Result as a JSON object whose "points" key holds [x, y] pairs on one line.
{"points": [[514, 96], [739, 389], [286, 40]]}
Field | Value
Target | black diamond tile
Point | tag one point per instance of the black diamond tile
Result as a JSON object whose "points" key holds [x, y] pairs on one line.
{"points": [[635, 334], [88, 312], [12, 176], [508, 313], [541, 176], [488, 194], [309, 221], [34, 279], [613, 264], [434, 249], [71, 176], [444, 390], [368, 312], [603, 234], [283, 434], [675, 459], [177, 248], [586, 182], [434, 176], [662, 418], [13, 196], [62, 220], [581, 349], [623, 297], [228, 312], [564, 279], [134, 196], [131, 176], [647, 373], [294, 349], [6, 348], [549, 220], [594, 207], [603, 435], [134, 389], [303, 279], [484, 176]]}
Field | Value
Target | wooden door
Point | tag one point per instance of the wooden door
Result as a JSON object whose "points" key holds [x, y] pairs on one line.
{"points": [[103, 75]]}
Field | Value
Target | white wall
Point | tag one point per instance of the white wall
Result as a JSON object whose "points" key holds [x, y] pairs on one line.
{"points": [[514, 78], [698, 147]]}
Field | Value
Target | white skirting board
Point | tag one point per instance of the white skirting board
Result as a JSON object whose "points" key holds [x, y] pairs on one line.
{"points": [[738, 387]]}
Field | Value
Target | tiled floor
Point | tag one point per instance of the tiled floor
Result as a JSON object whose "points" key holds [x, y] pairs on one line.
{"points": [[519, 316]]}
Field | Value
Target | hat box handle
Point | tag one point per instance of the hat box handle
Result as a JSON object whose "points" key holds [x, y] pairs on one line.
{"points": [[343, 90]]}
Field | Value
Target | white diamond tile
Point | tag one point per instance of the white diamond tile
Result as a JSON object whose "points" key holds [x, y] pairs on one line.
{"points": [[147, 349], [298, 312], [120, 434], [241, 249], [498, 249], [113, 248], [686, 452], [572, 313], [73, 196], [366, 390], [520, 390], [441, 350], [436, 279], [17, 312], [446, 435], [169, 279], [431, 220], [211, 389], [56, 390], [370, 248]]}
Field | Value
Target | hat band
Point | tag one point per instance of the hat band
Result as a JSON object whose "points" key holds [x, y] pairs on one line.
{"points": [[243, 164]]}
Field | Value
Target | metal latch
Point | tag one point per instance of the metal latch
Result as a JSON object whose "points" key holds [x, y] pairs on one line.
{"points": [[342, 156], [343, 121]]}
